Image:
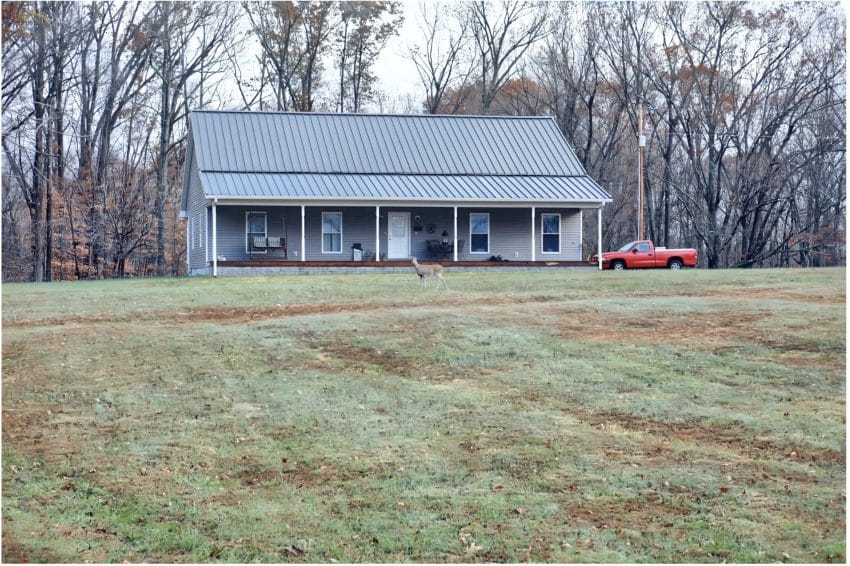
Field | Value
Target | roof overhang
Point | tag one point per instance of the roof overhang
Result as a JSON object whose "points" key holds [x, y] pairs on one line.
{"points": [[285, 201], [424, 190]]}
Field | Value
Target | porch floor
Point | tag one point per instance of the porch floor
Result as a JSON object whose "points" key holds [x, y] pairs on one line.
{"points": [[400, 263]]}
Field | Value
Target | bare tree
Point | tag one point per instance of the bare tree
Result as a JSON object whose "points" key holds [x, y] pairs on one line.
{"points": [[41, 171], [294, 37], [116, 54], [187, 37], [364, 30], [446, 60], [132, 211], [277, 26], [502, 38], [732, 74]]}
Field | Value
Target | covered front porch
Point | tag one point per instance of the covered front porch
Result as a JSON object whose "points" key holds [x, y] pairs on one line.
{"points": [[255, 237]]}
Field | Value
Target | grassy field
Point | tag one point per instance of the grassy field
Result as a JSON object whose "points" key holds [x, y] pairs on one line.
{"points": [[693, 416]]}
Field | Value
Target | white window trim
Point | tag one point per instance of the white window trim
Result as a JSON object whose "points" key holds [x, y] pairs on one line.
{"points": [[487, 214], [324, 251], [542, 233], [248, 214]]}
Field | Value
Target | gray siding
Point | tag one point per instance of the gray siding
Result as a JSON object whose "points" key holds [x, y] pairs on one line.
{"points": [[281, 222], [198, 227], [510, 234], [510, 231]]}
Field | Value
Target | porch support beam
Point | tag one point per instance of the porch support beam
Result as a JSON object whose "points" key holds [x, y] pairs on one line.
{"points": [[454, 231], [533, 238], [215, 238], [377, 233], [599, 236], [303, 235]]}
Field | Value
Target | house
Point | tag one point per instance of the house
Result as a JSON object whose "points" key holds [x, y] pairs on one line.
{"points": [[266, 189]]}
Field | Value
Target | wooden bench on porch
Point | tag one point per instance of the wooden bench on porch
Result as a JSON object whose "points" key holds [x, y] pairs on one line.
{"points": [[276, 246]]}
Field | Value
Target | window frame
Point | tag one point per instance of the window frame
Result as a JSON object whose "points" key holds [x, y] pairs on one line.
{"points": [[543, 233], [324, 251], [249, 234], [207, 243], [190, 232], [487, 215]]}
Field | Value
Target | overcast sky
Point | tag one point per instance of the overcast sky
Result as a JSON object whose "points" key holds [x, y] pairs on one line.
{"points": [[397, 74]]}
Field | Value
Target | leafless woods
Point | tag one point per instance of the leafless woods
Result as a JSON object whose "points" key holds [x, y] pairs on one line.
{"points": [[744, 107]]}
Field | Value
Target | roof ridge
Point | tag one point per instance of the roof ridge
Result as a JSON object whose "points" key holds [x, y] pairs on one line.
{"points": [[391, 174], [369, 114]]}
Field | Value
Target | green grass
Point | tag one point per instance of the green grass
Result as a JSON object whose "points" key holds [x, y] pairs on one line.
{"points": [[696, 416]]}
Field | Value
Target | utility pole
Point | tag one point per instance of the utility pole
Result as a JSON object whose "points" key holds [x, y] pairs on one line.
{"points": [[641, 145]]}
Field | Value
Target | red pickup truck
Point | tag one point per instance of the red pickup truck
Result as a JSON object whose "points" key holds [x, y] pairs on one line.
{"points": [[644, 254]]}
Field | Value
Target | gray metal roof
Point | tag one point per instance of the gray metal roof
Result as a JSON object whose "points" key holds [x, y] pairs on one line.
{"points": [[360, 156], [311, 186]]}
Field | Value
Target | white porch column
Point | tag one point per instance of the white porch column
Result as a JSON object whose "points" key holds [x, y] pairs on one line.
{"points": [[303, 236], [533, 238], [377, 233], [454, 230], [214, 239], [599, 236]]}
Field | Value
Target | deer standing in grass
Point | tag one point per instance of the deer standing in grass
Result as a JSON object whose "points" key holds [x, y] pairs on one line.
{"points": [[430, 270]]}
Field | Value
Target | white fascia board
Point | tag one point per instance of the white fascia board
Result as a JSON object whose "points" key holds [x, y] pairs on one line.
{"points": [[291, 201]]}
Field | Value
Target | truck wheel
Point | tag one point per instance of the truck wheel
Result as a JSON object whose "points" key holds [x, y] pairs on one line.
{"points": [[618, 265], [675, 264]]}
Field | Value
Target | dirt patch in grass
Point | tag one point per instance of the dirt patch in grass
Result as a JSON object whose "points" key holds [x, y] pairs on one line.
{"points": [[51, 433], [649, 509], [727, 436], [752, 293], [716, 330], [220, 315], [15, 553], [364, 360]]}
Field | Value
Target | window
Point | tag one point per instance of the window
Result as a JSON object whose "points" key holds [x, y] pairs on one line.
{"points": [[207, 240], [551, 226], [255, 226], [643, 247], [479, 232], [331, 232], [190, 233]]}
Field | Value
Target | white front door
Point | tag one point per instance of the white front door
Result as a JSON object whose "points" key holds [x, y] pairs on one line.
{"points": [[398, 235]]}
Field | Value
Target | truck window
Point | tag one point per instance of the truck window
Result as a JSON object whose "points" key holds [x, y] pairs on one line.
{"points": [[643, 247]]}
